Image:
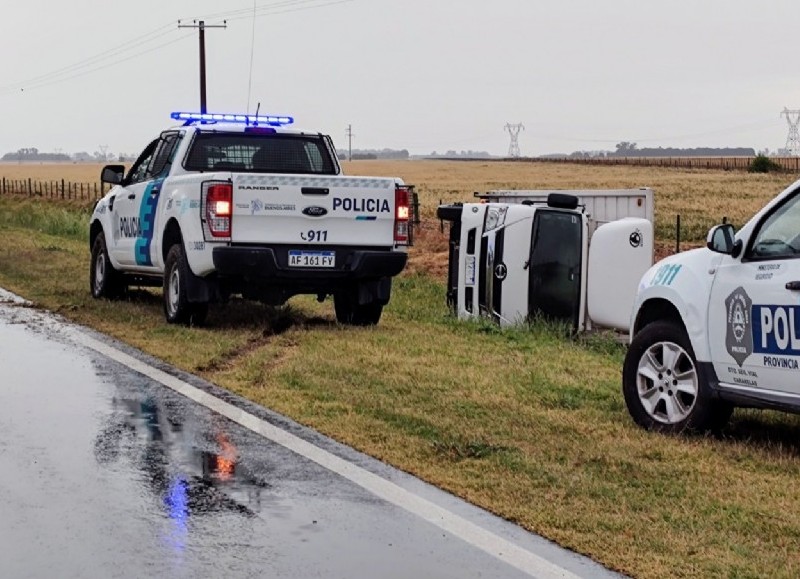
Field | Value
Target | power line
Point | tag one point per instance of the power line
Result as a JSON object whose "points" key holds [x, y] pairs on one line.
{"points": [[102, 67], [89, 65], [282, 7], [252, 55], [91, 60]]}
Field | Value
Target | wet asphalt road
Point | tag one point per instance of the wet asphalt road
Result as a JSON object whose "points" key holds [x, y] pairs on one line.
{"points": [[105, 472]]}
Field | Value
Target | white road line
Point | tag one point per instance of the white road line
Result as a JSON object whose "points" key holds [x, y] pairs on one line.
{"points": [[493, 544]]}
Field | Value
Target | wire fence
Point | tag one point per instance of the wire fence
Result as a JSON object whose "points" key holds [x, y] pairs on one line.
{"points": [[67, 190], [788, 164]]}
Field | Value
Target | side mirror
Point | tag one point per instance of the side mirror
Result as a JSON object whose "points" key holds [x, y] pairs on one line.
{"points": [[721, 239], [113, 174]]}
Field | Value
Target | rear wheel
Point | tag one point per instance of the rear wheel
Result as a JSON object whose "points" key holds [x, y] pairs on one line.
{"points": [[663, 385], [177, 307], [104, 280], [351, 313]]}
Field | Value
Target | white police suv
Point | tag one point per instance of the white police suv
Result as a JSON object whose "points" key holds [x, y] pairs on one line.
{"points": [[719, 327], [239, 204]]}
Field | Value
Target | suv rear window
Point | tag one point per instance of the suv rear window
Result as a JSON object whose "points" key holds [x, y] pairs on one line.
{"points": [[260, 153]]}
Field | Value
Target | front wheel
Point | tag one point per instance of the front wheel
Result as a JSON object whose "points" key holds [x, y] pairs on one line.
{"points": [[351, 313], [104, 280], [663, 385], [177, 307]]}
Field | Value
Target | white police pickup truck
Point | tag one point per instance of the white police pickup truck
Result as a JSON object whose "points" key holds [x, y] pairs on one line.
{"points": [[719, 327], [238, 204]]}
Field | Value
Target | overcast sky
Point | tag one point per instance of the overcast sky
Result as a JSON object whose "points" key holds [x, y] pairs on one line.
{"points": [[425, 75]]}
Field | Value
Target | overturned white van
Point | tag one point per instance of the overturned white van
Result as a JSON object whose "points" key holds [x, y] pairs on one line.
{"points": [[571, 256]]}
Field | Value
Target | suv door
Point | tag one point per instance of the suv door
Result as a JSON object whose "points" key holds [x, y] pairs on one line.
{"points": [[754, 311], [135, 205]]}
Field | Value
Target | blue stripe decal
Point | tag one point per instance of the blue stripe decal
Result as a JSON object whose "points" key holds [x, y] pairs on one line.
{"points": [[366, 217], [147, 219]]}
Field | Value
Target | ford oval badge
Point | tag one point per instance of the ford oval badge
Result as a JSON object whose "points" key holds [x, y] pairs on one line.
{"points": [[315, 211]]}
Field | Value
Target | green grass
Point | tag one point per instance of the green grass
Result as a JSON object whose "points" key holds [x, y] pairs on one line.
{"points": [[527, 422], [61, 220]]}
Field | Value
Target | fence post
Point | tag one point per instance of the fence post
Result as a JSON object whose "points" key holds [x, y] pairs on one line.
{"points": [[678, 234], [4, 184]]}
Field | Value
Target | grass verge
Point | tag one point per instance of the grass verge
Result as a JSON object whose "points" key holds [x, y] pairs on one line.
{"points": [[524, 422]]}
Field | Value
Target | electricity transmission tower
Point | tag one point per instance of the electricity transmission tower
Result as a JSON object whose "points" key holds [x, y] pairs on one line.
{"points": [[201, 26], [513, 131], [793, 139]]}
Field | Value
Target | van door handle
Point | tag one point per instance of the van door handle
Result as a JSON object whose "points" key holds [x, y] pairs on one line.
{"points": [[131, 195], [793, 286]]}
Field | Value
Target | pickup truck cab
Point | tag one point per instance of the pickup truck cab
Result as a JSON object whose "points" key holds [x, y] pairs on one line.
{"points": [[719, 327], [238, 204]]}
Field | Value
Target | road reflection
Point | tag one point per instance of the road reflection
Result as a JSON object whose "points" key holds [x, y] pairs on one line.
{"points": [[190, 466]]}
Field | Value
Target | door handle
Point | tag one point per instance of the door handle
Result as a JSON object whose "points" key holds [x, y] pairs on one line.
{"points": [[131, 195], [314, 190], [793, 286]]}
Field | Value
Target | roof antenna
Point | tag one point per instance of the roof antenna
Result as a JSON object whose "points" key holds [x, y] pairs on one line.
{"points": [[258, 108]]}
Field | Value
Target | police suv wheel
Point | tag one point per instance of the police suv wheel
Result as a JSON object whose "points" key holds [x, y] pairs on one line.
{"points": [[104, 280], [663, 385], [351, 313], [177, 308]]}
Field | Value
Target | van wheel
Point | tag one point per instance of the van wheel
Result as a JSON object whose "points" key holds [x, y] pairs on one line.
{"points": [[351, 313], [664, 387], [177, 308], [104, 280]]}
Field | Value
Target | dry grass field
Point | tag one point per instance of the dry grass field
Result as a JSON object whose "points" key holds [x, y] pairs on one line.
{"points": [[76, 172], [702, 197]]}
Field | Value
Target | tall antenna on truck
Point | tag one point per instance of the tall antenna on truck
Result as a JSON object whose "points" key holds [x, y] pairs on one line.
{"points": [[513, 131]]}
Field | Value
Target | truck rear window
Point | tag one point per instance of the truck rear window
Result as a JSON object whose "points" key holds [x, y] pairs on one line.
{"points": [[260, 153]]}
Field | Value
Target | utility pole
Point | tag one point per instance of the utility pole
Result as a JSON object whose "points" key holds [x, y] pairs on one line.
{"points": [[201, 26], [513, 131], [349, 134], [793, 139]]}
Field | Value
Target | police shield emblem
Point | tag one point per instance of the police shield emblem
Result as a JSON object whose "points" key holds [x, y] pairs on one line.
{"points": [[739, 337]]}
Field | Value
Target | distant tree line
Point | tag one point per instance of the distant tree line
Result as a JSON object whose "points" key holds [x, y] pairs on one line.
{"points": [[628, 149], [32, 154], [466, 154], [360, 154]]}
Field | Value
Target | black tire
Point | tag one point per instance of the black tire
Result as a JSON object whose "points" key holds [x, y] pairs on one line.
{"points": [[177, 307], [350, 312], [664, 387], [104, 280]]}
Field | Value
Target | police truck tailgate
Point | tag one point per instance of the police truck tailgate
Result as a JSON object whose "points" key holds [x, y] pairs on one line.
{"points": [[351, 211]]}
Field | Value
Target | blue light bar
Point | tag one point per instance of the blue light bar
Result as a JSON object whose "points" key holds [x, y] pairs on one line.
{"points": [[271, 120]]}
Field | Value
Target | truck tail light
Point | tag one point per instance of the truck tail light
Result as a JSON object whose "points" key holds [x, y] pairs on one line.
{"points": [[402, 221], [217, 210]]}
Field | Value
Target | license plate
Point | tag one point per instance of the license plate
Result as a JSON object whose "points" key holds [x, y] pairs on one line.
{"points": [[469, 270], [312, 258]]}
